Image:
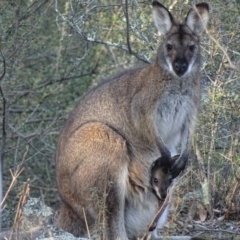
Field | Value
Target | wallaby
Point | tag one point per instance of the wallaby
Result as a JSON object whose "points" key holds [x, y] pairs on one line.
{"points": [[139, 216], [163, 184], [161, 177], [161, 180], [120, 127]]}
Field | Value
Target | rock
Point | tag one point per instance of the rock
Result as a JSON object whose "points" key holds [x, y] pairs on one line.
{"points": [[53, 233], [37, 223], [36, 213]]}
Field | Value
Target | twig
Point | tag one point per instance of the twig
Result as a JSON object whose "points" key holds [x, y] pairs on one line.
{"points": [[62, 79], [21, 203], [127, 22], [74, 25], [205, 184], [4, 136], [85, 219], [235, 188], [33, 233], [214, 230], [14, 178], [29, 14], [225, 54]]}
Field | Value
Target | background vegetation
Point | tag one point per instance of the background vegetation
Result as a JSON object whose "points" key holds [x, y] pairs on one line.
{"points": [[52, 52]]}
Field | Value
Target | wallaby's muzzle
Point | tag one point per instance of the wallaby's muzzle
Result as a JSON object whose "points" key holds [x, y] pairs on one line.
{"points": [[180, 67]]}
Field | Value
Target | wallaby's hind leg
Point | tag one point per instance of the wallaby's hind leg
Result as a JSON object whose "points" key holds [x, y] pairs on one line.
{"points": [[93, 178], [70, 222]]}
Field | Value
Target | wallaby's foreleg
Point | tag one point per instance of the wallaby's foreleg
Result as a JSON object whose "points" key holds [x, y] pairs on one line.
{"points": [[183, 158]]}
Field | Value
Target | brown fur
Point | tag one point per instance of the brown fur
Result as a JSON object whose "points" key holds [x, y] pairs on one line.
{"points": [[119, 128]]}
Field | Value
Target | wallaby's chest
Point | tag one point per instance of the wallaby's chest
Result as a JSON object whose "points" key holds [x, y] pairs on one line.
{"points": [[173, 112]]}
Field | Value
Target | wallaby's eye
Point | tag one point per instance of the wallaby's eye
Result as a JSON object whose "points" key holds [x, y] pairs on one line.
{"points": [[155, 180], [169, 47], [192, 48]]}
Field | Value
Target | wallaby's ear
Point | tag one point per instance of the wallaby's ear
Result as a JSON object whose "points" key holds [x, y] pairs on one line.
{"points": [[159, 163], [156, 164], [162, 18], [197, 18]]}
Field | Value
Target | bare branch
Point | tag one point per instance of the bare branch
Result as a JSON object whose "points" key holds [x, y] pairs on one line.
{"points": [[127, 26], [14, 175], [73, 24], [29, 14], [4, 135], [4, 67]]}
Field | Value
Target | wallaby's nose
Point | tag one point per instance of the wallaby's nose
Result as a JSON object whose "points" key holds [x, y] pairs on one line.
{"points": [[163, 195], [180, 67]]}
